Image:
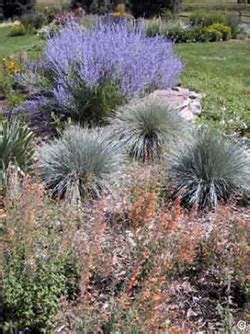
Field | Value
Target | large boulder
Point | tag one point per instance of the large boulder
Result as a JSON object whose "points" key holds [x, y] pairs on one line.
{"points": [[184, 101]]}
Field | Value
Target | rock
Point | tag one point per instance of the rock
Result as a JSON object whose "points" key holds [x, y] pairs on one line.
{"points": [[187, 102]]}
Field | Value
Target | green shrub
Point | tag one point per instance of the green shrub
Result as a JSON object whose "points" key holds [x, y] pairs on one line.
{"points": [[173, 30], [17, 30], [38, 267], [168, 29], [233, 22], [145, 128], [31, 298], [83, 160], [203, 19], [15, 100], [33, 22], [15, 145], [51, 11], [209, 170], [6, 84], [218, 31], [193, 35]]}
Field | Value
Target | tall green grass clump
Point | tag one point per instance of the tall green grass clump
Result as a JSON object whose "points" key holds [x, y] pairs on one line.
{"points": [[210, 169], [15, 146]]}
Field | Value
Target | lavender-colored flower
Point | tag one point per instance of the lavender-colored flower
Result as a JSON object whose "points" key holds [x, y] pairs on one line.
{"points": [[92, 61], [114, 52], [35, 112]]}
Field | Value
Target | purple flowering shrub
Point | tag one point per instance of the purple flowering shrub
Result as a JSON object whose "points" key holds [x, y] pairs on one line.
{"points": [[97, 69]]}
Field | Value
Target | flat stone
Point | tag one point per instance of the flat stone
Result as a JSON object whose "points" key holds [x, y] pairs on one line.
{"points": [[184, 101]]}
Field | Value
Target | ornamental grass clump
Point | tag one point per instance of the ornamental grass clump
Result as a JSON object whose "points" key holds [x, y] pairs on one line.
{"points": [[92, 71], [80, 163], [15, 146], [211, 169], [147, 129]]}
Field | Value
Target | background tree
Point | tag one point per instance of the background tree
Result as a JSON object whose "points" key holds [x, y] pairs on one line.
{"points": [[94, 6], [138, 8], [149, 8], [12, 8]]}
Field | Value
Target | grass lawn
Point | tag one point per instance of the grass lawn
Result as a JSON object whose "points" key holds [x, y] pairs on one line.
{"points": [[222, 72], [14, 45]]}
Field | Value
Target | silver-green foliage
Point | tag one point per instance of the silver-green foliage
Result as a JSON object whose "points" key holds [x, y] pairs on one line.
{"points": [[15, 146], [82, 159], [148, 127], [210, 169]]}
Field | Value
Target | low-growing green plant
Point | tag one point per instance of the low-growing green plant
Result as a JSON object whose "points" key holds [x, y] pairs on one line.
{"points": [[31, 298], [15, 100], [202, 18], [191, 35], [6, 83], [82, 160], [17, 30], [15, 145], [146, 128], [211, 169], [38, 268], [175, 31], [157, 26]]}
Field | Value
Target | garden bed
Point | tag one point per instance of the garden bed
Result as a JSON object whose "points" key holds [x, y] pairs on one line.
{"points": [[128, 217]]}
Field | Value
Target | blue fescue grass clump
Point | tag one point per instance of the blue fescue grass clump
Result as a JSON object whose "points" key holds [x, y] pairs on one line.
{"points": [[93, 70], [212, 168], [148, 129], [82, 160]]}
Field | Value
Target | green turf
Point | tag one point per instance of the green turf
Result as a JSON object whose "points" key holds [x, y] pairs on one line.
{"points": [[222, 72], [13, 45]]}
